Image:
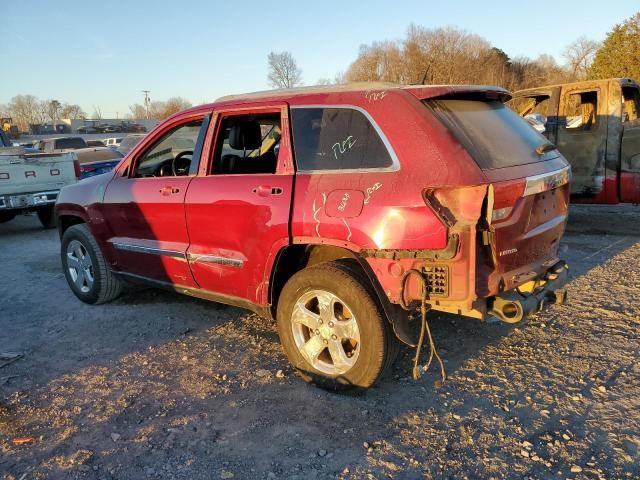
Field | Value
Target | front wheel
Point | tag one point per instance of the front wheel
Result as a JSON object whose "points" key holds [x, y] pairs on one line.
{"points": [[332, 328], [85, 268]]}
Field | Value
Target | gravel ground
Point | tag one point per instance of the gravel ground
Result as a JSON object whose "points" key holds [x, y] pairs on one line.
{"points": [[157, 385]]}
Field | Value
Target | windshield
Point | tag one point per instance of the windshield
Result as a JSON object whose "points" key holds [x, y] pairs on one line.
{"points": [[493, 134]]}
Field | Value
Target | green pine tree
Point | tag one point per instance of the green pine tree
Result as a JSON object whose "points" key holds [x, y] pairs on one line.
{"points": [[619, 55]]}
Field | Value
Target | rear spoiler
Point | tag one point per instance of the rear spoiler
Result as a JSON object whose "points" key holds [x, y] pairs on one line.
{"points": [[460, 92]]}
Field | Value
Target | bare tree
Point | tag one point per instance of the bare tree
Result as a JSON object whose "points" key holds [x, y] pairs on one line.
{"points": [[52, 108], [450, 56], [159, 110], [283, 70], [579, 56], [69, 110], [25, 110], [97, 113]]}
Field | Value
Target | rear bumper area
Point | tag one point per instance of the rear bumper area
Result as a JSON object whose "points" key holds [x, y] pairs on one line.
{"points": [[26, 201], [515, 305]]}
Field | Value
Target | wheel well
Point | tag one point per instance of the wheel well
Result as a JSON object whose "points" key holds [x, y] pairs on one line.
{"points": [[66, 221], [294, 258]]}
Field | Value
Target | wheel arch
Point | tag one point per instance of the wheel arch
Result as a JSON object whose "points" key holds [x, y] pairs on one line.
{"points": [[293, 258], [67, 220]]}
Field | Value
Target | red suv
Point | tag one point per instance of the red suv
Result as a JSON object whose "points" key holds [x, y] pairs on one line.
{"points": [[328, 209]]}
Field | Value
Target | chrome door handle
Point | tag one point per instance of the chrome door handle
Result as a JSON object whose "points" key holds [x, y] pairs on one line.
{"points": [[168, 190], [264, 190]]}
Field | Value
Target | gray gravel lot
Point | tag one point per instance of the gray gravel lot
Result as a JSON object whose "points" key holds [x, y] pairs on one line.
{"points": [[157, 385]]}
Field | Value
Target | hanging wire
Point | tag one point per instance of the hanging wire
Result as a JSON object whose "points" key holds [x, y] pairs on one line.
{"points": [[424, 327]]}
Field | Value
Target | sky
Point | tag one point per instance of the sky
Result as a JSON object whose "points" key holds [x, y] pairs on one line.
{"points": [[105, 53]]}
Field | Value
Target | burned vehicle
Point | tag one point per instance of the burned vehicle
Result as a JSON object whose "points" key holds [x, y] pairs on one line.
{"points": [[595, 125], [332, 209]]}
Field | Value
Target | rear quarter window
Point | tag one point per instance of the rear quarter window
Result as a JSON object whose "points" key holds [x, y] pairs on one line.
{"points": [[337, 139]]}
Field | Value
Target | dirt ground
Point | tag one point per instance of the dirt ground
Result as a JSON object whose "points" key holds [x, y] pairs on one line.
{"points": [[157, 385]]}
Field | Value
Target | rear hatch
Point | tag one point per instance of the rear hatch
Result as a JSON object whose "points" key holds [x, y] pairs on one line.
{"points": [[527, 204]]}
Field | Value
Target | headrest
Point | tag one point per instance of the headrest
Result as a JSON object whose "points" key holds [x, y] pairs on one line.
{"points": [[245, 135]]}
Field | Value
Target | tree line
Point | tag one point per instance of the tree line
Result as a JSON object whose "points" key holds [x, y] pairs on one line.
{"points": [[424, 56], [26, 110], [452, 55]]}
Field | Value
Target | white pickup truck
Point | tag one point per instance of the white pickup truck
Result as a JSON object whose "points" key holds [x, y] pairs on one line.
{"points": [[31, 181]]}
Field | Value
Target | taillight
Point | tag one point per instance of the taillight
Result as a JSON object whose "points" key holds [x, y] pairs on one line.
{"points": [[505, 196], [76, 168]]}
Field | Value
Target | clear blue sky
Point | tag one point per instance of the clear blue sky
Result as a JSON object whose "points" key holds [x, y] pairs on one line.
{"points": [[105, 52]]}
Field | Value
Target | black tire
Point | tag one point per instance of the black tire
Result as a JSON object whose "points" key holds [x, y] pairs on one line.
{"points": [[377, 345], [47, 217], [105, 286], [6, 216]]}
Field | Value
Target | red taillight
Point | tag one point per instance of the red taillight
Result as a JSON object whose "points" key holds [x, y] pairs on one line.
{"points": [[505, 196], [76, 168]]}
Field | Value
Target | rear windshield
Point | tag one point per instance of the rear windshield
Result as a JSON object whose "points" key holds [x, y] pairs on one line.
{"points": [[70, 143], [494, 135]]}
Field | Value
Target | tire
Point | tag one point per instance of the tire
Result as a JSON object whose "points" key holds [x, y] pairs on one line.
{"points": [[6, 216], [336, 354], [80, 252], [47, 217]]}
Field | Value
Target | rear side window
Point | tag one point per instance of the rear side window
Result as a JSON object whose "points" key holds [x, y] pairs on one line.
{"points": [[581, 110], [336, 139], [494, 135]]}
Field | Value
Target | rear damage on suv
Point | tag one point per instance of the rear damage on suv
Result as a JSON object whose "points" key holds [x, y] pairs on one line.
{"points": [[502, 253]]}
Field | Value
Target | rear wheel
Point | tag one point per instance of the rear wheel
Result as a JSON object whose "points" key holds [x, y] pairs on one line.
{"points": [[85, 268], [47, 217], [332, 329]]}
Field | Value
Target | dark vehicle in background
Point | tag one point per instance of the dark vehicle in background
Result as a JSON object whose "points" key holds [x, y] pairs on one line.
{"points": [[331, 209], [87, 129], [596, 126], [129, 127], [79, 146]]}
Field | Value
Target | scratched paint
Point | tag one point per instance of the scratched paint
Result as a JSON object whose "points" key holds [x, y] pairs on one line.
{"points": [[348, 228], [374, 96], [342, 147], [344, 201], [371, 190], [317, 210]]}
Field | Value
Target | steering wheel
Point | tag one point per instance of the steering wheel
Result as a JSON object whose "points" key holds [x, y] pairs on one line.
{"points": [[180, 165]]}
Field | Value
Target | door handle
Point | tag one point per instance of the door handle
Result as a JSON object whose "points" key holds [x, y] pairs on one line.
{"points": [[168, 190], [265, 190]]}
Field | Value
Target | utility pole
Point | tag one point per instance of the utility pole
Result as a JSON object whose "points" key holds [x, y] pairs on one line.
{"points": [[147, 101]]}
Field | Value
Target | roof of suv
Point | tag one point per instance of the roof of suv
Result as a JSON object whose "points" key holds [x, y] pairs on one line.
{"points": [[319, 94], [420, 91]]}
